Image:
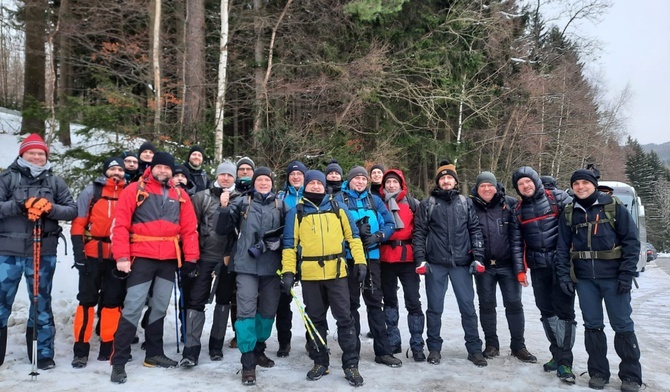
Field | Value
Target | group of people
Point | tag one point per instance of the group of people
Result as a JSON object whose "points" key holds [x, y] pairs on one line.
{"points": [[146, 219]]}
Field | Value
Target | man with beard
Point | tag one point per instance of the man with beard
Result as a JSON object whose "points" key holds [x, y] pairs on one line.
{"points": [[448, 247], [91, 244], [151, 219]]}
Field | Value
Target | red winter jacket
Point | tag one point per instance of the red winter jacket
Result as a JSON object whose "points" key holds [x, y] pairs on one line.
{"points": [[164, 213], [94, 222], [398, 248]]}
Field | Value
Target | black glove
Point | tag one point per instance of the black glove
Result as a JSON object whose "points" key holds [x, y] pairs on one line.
{"points": [[568, 287], [272, 243], [624, 284], [21, 205], [189, 269], [364, 228], [373, 239], [79, 256], [477, 267], [360, 272], [287, 281]]}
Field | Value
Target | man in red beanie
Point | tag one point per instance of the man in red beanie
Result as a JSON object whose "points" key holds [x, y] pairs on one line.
{"points": [[31, 197]]}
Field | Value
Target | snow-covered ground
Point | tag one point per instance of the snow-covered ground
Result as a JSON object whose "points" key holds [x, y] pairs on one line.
{"points": [[455, 373]]}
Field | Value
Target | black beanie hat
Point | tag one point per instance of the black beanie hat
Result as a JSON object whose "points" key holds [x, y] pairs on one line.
{"points": [[583, 174], [312, 175], [357, 171], [262, 171], [391, 174], [445, 168], [334, 166], [111, 162], [129, 154], [195, 148], [146, 146], [163, 158]]}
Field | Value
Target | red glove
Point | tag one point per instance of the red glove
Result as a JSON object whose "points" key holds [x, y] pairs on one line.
{"points": [[521, 277]]}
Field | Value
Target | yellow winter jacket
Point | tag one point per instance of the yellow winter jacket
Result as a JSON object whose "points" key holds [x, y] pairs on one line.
{"points": [[317, 243]]}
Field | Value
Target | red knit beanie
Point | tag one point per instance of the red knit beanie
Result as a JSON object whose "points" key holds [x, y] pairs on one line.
{"points": [[33, 141]]}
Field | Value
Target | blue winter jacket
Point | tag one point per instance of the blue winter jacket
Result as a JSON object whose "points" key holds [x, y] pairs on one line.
{"points": [[380, 219]]}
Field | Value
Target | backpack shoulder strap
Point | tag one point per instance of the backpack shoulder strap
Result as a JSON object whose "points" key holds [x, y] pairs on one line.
{"points": [[552, 202], [431, 207], [97, 195], [371, 201], [464, 203], [569, 208]]}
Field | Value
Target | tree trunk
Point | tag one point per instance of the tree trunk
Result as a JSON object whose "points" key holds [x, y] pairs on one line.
{"points": [[221, 85], [35, 64], [156, 64], [194, 67], [65, 78]]}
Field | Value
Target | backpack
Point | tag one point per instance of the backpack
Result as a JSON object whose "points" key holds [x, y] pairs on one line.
{"points": [[300, 210], [432, 203], [15, 180], [345, 198], [610, 213], [552, 203], [142, 194]]}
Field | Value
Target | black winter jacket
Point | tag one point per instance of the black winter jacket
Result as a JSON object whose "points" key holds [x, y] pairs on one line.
{"points": [[212, 245], [603, 237], [539, 224], [499, 226], [451, 236], [16, 231]]}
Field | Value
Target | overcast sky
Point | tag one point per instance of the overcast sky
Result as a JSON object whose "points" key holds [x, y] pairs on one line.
{"points": [[636, 39]]}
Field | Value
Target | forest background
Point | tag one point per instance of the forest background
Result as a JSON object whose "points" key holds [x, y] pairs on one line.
{"points": [[490, 85]]}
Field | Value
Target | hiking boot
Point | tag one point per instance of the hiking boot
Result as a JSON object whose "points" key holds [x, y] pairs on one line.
{"points": [[565, 374], [46, 364], [418, 356], [79, 362], [396, 350], [216, 355], [263, 361], [233, 343], [353, 376], [317, 372], [119, 375], [159, 361], [629, 386], [550, 366], [187, 362], [284, 350], [491, 352], [478, 359], [598, 382], [388, 360], [248, 376], [524, 356], [434, 357]]}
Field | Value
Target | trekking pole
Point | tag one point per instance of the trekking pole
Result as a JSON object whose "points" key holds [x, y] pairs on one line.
{"points": [[37, 250], [311, 329], [182, 307], [176, 310]]}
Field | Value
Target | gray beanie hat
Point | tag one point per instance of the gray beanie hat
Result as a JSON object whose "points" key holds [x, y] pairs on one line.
{"points": [[227, 167], [357, 171], [486, 177]]}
